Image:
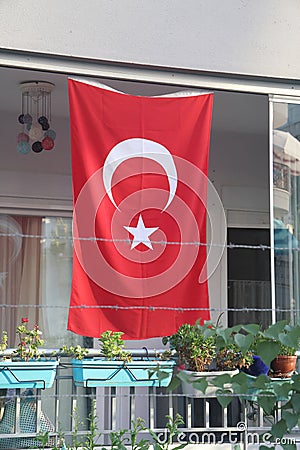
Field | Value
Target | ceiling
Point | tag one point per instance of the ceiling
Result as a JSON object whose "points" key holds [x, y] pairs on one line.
{"points": [[237, 112]]}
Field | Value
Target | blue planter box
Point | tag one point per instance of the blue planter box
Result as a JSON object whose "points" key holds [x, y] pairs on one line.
{"points": [[27, 374], [100, 372]]}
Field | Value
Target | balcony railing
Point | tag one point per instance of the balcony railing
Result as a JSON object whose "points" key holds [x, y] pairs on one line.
{"points": [[281, 176], [46, 418]]}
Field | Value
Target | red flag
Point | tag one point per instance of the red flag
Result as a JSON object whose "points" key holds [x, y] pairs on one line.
{"points": [[139, 167]]}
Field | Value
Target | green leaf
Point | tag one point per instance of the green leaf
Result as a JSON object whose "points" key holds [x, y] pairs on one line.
{"points": [[240, 388], [220, 380], [272, 332], [264, 447], [162, 375], [282, 390], [240, 378], [174, 384], [268, 350], [296, 382], [267, 401], [289, 446], [183, 376], [156, 446], [223, 337], [223, 398], [279, 429], [244, 342], [290, 419], [296, 402], [252, 328], [290, 338], [201, 385], [261, 382], [178, 447]]}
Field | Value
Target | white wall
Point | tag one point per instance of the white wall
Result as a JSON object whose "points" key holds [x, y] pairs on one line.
{"points": [[240, 36]]}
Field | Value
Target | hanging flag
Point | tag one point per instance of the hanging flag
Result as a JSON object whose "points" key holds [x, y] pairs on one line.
{"points": [[139, 168]]}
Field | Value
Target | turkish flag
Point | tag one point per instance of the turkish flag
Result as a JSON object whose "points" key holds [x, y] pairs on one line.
{"points": [[139, 169]]}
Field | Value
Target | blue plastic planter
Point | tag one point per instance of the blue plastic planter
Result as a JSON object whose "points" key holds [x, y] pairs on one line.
{"points": [[27, 374], [100, 372], [258, 367]]}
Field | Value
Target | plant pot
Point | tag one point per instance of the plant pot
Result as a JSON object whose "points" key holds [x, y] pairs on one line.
{"points": [[189, 378], [100, 372], [27, 374], [258, 367], [283, 366]]}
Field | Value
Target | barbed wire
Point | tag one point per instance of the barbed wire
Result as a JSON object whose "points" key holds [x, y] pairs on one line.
{"points": [[230, 245], [150, 307]]}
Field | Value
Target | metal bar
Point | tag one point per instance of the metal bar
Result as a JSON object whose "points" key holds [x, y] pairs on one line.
{"points": [[57, 399], [151, 409], [132, 404], [18, 413], [38, 403], [206, 413], [113, 408]]}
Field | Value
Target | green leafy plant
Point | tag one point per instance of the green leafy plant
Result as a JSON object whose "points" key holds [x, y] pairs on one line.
{"points": [[29, 341], [280, 338], [280, 400], [207, 347], [231, 357], [285, 350], [124, 439], [93, 433], [76, 351], [113, 347], [4, 341], [173, 430], [77, 440], [194, 348], [43, 438]]}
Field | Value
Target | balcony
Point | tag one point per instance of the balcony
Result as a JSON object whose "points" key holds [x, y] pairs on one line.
{"points": [[74, 416]]}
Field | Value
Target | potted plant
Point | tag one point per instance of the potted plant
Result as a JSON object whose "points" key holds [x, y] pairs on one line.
{"points": [[24, 367], [205, 352], [284, 365], [275, 350], [118, 367]]}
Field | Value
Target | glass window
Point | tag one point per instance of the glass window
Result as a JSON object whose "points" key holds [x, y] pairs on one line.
{"points": [[35, 275], [286, 200]]}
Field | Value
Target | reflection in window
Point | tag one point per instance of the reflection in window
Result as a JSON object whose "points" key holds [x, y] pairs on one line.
{"points": [[35, 275], [286, 190]]}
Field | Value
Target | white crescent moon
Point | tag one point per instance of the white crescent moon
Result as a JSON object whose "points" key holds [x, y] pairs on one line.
{"points": [[139, 148]]}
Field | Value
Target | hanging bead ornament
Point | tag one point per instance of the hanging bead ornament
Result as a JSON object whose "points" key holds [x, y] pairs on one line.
{"points": [[35, 118]]}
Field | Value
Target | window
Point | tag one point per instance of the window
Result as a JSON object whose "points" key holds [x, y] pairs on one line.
{"points": [[35, 275], [286, 208]]}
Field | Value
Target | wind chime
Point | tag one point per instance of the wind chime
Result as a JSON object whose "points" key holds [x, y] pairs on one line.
{"points": [[35, 118]]}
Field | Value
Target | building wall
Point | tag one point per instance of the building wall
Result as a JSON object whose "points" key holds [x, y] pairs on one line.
{"points": [[235, 36]]}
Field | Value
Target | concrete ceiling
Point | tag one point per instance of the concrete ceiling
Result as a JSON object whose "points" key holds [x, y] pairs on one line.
{"points": [[233, 112]]}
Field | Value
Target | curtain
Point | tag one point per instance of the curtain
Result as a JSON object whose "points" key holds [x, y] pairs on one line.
{"points": [[19, 271]]}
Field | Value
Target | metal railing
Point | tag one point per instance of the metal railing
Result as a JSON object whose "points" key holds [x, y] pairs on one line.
{"points": [[281, 176]]}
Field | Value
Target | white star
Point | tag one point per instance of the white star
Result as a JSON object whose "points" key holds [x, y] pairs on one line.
{"points": [[141, 234]]}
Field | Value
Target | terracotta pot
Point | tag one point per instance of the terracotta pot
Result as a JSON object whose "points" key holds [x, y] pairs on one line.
{"points": [[283, 366]]}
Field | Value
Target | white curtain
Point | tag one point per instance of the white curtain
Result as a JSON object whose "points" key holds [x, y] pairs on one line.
{"points": [[19, 271]]}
